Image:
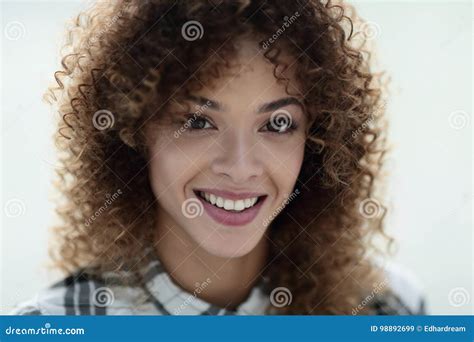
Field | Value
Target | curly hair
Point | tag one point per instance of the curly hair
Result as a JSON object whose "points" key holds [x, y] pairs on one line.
{"points": [[128, 59]]}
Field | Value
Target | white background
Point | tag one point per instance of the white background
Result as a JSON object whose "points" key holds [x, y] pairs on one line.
{"points": [[424, 46]]}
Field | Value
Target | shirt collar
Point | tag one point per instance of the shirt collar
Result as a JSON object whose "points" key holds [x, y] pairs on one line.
{"points": [[170, 299]]}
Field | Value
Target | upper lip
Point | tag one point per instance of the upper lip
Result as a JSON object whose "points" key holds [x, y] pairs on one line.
{"points": [[231, 195]]}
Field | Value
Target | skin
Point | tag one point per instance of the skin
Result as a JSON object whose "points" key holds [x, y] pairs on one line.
{"points": [[235, 150]]}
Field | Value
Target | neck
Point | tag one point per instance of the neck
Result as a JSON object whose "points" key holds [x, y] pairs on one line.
{"points": [[228, 280]]}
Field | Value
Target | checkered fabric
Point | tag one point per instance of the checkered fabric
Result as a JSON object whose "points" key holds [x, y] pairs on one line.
{"points": [[85, 294]]}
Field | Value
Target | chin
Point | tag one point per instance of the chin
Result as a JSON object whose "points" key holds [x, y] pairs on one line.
{"points": [[230, 247]]}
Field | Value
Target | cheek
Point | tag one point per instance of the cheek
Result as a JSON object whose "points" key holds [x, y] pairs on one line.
{"points": [[172, 162], [166, 163], [285, 161]]}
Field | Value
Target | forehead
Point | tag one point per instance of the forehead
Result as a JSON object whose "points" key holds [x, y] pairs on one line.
{"points": [[250, 79]]}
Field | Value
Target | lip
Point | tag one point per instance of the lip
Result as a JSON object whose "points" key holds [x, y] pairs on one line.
{"points": [[228, 218], [231, 195]]}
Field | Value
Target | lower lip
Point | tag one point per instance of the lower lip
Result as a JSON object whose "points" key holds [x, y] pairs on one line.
{"points": [[229, 218]]}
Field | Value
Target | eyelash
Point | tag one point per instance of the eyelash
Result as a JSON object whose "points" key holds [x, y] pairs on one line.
{"points": [[189, 117]]}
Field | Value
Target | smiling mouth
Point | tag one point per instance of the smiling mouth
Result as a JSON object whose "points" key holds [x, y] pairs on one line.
{"points": [[239, 212], [227, 205]]}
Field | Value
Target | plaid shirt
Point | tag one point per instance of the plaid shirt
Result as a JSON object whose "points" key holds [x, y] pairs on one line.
{"points": [[84, 294]]}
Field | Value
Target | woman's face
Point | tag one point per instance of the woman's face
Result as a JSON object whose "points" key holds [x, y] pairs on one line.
{"points": [[241, 145]]}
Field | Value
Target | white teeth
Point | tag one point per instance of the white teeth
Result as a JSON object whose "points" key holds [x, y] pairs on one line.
{"points": [[228, 204], [239, 205]]}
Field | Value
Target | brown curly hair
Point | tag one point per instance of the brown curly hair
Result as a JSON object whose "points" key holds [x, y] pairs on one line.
{"points": [[128, 58]]}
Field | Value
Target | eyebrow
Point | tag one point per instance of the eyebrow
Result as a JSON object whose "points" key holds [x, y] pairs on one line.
{"points": [[267, 107], [202, 101], [274, 105]]}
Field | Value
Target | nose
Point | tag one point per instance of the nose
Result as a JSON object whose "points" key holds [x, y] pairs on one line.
{"points": [[238, 158]]}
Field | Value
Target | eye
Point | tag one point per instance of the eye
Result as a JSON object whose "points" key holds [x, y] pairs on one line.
{"points": [[280, 127], [194, 122]]}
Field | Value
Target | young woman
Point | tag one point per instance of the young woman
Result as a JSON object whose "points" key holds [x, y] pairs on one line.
{"points": [[219, 157]]}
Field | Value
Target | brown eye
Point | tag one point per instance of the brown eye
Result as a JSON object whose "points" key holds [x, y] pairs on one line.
{"points": [[199, 123], [280, 127], [196, 123]]}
